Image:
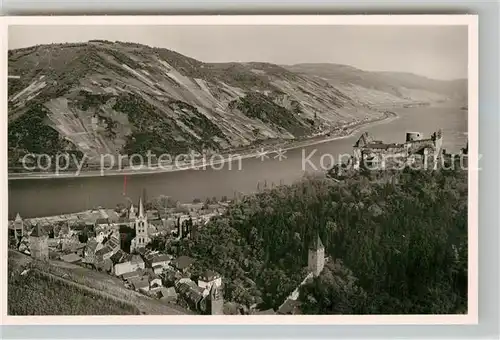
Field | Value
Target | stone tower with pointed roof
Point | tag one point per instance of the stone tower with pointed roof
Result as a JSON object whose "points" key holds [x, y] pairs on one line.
{"points": [[316, 256], [216, 300], [39, 244], [18, 227], [141, 229], [362, 142]]}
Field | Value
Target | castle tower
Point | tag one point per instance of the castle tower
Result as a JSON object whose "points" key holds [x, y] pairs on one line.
{"points": [[18, 226], [413, 136], [438, 142], [141, 229], [465, 150], [316, 257], [179, 228], [216, 300], [39, 244], [362, 142]]}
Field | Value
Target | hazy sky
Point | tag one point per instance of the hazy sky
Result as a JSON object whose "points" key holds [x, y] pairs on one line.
{"points": [[434, 51]]}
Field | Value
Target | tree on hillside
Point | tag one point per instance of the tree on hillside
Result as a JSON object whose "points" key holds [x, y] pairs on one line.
{"points": [[335, 291]]}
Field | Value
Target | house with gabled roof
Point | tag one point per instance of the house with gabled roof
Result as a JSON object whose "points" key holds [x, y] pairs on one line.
{"points": [[149, 255], [137, 260], [114, 241], [166, 294], [154, 280], [104, 265], [120, 257], [132, 265], [130, 275], [162, 260], [140, 283], [90, 250], [102, 222], [190, 292], [209, 278]]}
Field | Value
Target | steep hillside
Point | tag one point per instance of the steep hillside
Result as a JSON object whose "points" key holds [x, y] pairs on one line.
{"points": [[39, 294], [114, 97], [61, 288]]}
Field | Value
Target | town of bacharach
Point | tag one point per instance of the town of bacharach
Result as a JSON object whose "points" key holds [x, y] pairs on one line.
{"points": [[237, 170]]}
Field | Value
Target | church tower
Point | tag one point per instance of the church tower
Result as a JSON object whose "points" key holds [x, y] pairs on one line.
{"points": [[39, 244], [131, 213], [216, 300], [141, 229], [316, 257]]}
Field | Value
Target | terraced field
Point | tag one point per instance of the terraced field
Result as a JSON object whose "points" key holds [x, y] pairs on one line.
{"points": [[60, 288]]}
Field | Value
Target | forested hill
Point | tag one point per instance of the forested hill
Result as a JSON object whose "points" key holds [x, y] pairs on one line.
{"points": [[397, 244], [117, 97], [399, 84]]}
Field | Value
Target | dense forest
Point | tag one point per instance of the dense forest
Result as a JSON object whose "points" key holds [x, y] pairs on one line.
{"points": [[395, 242]]}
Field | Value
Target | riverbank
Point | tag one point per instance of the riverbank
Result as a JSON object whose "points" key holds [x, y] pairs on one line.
{"points": [[49, 197], [346, 132], [203, 164]]}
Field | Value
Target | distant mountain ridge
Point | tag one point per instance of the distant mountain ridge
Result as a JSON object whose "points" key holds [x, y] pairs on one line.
{"points": [[400, 84], [116, 97]]}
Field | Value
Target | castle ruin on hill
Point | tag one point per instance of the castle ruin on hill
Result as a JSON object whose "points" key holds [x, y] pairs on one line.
{"points": [[372, 154]]}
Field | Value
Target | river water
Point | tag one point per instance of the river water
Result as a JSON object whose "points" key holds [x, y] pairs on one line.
{"points": [[45, 197]]}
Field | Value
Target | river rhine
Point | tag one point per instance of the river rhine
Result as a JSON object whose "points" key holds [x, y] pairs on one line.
{"points": [[44, 197]]}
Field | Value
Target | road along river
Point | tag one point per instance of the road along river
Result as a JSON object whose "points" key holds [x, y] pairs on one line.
{"points": [[45, 197]]}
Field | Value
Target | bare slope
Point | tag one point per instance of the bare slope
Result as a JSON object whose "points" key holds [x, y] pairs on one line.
{"points": [[113, 97]]}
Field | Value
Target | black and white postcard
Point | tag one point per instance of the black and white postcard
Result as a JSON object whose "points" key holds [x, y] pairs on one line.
{"points": [[254, 169]]}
